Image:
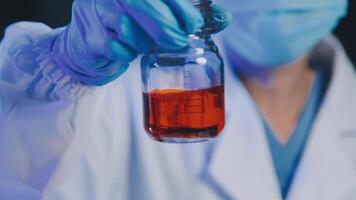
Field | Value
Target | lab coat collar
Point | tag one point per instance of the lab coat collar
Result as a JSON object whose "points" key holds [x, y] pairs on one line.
{"points": [[328, 168], [242, 165]]}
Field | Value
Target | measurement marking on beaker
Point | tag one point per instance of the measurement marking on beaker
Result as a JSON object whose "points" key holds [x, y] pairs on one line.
{"points": [[188, 79]]}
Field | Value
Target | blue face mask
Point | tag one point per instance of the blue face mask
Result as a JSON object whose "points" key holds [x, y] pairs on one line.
{"points": [[273, 33]]}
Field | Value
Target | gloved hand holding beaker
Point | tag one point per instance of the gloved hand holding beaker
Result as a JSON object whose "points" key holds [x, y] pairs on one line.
{"points": [[105, 35]]}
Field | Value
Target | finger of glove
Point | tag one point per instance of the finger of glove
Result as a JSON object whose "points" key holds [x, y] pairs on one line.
{"points": [[156, 18], [221, 18], [189, 17], [121, 52], [122, 27], [130, 33]]}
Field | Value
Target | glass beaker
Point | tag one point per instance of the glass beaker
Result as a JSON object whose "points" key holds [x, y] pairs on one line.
{"points": [[183, 91]]}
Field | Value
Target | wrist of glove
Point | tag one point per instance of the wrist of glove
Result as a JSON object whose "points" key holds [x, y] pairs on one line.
{"points": [[83, 65], [83, 49], [105, 35]]}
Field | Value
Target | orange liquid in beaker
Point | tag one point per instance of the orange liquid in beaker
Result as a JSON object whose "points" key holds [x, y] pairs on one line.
{"points": [[174, 115]]}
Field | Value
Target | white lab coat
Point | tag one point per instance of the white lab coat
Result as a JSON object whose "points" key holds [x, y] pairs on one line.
{"points": [[92, 145]]}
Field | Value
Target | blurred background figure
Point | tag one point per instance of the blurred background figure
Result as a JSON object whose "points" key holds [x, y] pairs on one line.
{"points": [[61, 137]]}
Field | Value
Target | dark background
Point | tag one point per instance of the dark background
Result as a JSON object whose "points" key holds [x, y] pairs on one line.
{"points": [[57, 13]]}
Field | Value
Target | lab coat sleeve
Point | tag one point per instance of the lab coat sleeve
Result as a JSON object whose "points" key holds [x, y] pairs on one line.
{"points": [[42, 112]]}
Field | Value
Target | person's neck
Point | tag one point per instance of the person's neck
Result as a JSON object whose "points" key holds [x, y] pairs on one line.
{"points": [[281, 94]]}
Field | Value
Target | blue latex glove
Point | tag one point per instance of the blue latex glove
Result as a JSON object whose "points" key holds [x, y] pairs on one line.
{"points": [[275, 33], [105, 35]]}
